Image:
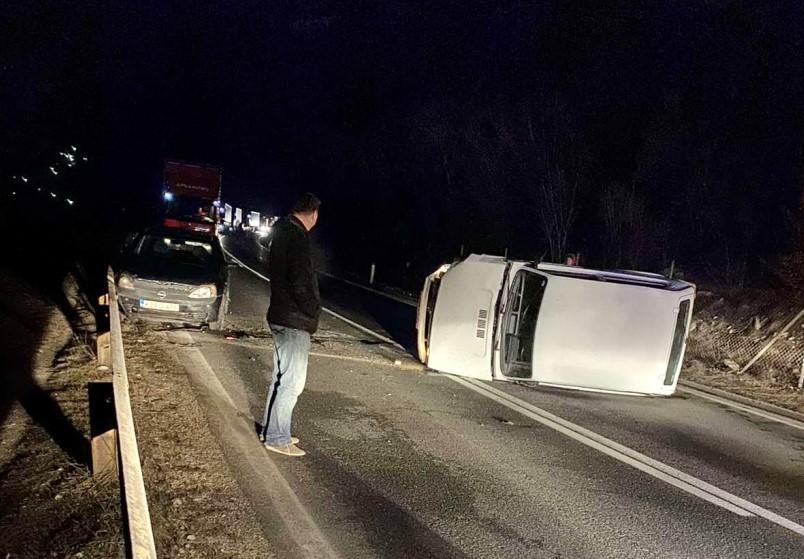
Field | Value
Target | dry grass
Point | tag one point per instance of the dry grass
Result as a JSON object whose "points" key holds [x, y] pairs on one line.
{"points": [[50, 506], [197, 507], [730, 327]]}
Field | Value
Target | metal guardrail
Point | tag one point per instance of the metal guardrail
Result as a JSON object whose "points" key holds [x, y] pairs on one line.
{"points": [[411, 302], [769, 411], [139, 534]]}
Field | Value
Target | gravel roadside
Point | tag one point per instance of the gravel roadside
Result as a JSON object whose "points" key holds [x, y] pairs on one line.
{"points": [[197, 507], [50, 505]]}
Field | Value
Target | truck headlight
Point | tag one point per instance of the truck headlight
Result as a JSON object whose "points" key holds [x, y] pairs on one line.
{"points": [[125, 281], [203, 292]]}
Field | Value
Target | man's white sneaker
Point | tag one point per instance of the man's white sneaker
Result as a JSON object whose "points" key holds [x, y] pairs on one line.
{"points": [[286, 449], [293, 440]]}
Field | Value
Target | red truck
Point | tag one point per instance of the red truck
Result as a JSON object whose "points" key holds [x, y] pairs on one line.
{"points": [[192, 195]]}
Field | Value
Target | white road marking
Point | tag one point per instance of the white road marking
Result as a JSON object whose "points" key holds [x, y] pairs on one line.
{"points": [[363, 328], [326, 310], [416, 366], [240, 263], [743, 407], [300, 525], [626, 455], [724, 401], [396, 298]]}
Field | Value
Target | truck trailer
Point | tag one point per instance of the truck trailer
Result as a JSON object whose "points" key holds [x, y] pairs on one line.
{"points": [[191, 193]]}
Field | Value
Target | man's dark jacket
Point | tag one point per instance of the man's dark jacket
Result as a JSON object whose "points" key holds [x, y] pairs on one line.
{"points": [[295, 301]]}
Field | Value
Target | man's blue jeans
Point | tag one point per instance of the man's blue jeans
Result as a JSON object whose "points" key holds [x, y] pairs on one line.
{"points": [[291, 351]]}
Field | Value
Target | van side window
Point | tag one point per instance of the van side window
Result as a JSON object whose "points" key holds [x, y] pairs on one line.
{"points": [[521, 314]]}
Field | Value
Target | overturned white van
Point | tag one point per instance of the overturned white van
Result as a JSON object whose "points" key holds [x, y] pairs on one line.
{"points": [[615, 331]]}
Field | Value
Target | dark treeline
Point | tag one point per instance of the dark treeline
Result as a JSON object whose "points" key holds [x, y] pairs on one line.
{"points": [[635, 133]]}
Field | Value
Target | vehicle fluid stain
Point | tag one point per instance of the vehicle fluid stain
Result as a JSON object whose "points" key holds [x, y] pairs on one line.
{"points": [[505, 532], [376, 472]]}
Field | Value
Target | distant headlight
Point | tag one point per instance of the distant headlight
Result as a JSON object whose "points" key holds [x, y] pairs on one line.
{"points": [[125, 282], [203, 292]]}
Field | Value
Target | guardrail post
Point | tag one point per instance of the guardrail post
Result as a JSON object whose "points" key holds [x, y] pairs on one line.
{"points": [[103, 339], [104, 349], [103, 430]]}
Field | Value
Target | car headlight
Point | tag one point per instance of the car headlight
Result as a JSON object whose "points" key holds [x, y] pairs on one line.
{"points": [[125, 281], [203, 292]]}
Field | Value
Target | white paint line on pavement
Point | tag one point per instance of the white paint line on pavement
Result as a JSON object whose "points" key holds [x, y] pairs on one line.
{"points": [[626, 455], [644, 463], [351, 323], [689, 390], [572, 433], [743, 407], [300, 525], [407, 365], [240, 263], [396, 298], [363, 328]]}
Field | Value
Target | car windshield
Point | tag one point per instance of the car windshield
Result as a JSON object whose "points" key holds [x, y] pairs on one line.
{"points": [[192, 252]]}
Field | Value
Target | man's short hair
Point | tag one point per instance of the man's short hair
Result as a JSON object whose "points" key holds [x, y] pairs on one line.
{"points": [[306, 204]]}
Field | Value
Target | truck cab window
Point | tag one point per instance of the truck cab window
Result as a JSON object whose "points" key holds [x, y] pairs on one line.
{"points": [[519, 326]]}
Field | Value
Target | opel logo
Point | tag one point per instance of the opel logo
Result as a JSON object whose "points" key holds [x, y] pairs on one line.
{"points": [[161, 294]]}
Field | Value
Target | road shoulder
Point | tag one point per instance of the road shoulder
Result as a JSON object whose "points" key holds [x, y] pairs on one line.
{"points": [[198, 509]]}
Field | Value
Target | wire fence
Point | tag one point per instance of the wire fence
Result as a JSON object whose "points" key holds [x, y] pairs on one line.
{"points": [[734, 346]]}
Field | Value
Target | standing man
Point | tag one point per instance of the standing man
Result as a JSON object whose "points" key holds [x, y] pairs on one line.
{"points": [[292, 317]]}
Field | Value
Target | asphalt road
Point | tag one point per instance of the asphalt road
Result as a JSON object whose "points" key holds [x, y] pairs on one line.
{"points": [[404, 463]]}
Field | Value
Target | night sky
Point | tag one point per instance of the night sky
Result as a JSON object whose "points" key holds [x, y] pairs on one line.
{"points": [[636, 133]]}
